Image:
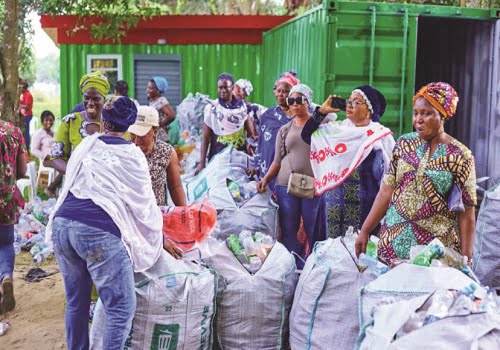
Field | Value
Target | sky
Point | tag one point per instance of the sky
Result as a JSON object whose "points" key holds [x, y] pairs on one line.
{"points": [[42, 44]]}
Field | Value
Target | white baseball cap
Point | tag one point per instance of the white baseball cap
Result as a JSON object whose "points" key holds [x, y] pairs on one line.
{"points": [[147, 117]]}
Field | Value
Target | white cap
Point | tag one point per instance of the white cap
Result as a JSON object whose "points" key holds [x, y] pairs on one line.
{"points": [[147, 117]]}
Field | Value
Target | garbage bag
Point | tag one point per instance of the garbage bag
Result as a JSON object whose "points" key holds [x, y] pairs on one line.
{"points": [[474, 331], [257, 214], [486, 257], [228, 164], [175, 308], [190, 111], [186, 226], [323, 315], [252, 309], [407, 281]]}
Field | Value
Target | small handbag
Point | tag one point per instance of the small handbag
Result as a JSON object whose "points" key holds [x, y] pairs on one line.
{"points": [[299, 185]]}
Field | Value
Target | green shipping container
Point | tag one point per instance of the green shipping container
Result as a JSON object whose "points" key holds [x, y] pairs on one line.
{"points": [[197, 67], [398, 48]]}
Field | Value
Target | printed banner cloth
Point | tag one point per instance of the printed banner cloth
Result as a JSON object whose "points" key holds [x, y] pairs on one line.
{"points": [[337, 148]]}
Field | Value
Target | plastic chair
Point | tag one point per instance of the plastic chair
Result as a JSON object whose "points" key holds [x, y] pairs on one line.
{"points": [[30, 182]]}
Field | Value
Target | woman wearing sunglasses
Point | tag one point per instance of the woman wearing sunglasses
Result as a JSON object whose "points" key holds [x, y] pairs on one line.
{"points": [[349, 158], [292, 156]]}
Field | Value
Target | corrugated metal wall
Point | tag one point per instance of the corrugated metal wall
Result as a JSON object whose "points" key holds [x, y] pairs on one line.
{"points": [[201, 64], [298, 44], [345, 44]]}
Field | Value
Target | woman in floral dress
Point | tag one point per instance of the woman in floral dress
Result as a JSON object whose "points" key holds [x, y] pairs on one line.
{"points": [[156, 88], [429, 169]]}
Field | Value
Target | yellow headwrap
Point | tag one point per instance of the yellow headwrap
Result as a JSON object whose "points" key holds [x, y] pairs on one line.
{"points": [[95, 80]]}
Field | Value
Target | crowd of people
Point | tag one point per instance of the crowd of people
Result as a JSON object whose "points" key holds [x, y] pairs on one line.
{"points": [[327, 175]]}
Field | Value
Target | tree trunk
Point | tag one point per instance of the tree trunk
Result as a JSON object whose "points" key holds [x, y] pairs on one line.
{"points": [[9, 56]]}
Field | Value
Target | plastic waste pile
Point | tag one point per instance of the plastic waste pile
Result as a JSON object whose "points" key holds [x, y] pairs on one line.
{"points": [[241, 193], [435, 254], [369, 259], [188, 150], [447, 303], [251, 250], [29, 233]]}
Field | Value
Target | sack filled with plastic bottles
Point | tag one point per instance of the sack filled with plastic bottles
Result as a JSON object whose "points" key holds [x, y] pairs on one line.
{"points": [[257, 291], [187, 226], [324, 313], [175, 308], [447, 319]]}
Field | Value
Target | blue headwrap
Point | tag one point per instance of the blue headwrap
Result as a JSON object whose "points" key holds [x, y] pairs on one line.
{"points": [[374, 100], [161, 84], [119, 115], [304, 90]]}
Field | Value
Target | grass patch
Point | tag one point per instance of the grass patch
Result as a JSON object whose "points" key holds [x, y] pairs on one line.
{"points": [[25, 259]]}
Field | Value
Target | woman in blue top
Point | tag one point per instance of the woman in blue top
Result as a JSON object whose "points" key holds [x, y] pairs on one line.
{"points": [[270, 123]]}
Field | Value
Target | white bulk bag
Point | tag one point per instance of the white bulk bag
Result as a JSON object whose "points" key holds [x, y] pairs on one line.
{"points": [[252, 310], [175, 308], [324, 308]]}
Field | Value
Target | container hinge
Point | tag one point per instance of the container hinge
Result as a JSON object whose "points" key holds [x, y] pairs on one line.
{"points": [[332, 19], [329, 77]]}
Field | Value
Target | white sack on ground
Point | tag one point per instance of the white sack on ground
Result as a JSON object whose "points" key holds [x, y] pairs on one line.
{"points": [[324, 308], [407, 281], [486, 257], [252, 310], [479, 331], [175, 308]]}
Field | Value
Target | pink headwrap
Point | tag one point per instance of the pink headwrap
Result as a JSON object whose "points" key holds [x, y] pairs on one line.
{"points": [[289, 78]]}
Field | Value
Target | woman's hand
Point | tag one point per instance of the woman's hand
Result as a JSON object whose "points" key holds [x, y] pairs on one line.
{"points": [[361, 242], [261, 185], [169, 246], [326, 107], [199, 168], [251, 172]]}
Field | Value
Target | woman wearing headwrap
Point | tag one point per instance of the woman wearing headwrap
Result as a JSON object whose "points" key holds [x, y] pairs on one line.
{"points": [[78, 125], [429, 189], [349, 157], [156, 87], [242, 89], [105, 225], [292, 155], [224, 122], [270, 123]]}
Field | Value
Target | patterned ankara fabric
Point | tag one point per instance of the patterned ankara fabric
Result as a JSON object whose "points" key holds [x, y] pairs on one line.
{"points": [[11, 145], [441, 96], [418, 211], [158, 104], [158, 162]]}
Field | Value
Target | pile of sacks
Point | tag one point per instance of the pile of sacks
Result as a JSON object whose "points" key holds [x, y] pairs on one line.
{"points": [[29, 232]]}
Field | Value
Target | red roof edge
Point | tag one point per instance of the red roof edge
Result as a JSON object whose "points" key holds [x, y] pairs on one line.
{"points": [[172, 29]]}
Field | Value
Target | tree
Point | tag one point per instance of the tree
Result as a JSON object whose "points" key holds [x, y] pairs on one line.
{"points": [[15, 53]]}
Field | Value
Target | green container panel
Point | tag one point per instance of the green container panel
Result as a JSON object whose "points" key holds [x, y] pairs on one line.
{"points": [[298, 44], [341, 44], [200, 65]]}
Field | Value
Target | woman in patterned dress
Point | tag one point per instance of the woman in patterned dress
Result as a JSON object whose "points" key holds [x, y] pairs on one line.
{"points": [[428, 169], [156, 87]]}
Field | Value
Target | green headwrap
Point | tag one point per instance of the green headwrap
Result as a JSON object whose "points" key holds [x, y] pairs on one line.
{"points": [[95, 80]]}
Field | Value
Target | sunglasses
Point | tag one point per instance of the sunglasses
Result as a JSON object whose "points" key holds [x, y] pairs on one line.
{"points": [[298, 100], [354, 103]]}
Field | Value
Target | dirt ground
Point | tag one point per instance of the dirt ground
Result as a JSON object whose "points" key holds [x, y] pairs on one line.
{"points": [[37, 321]]}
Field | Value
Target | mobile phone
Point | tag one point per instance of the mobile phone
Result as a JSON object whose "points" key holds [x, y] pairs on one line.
{"points": [[339, 103]]}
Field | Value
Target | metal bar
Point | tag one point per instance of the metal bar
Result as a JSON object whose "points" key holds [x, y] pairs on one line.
{"points": [[373, 21], [403, 69]]}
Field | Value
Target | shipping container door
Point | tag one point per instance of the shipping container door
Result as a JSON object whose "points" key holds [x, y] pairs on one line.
{"points": [[373, 45], [167, 66], [468, 60]]}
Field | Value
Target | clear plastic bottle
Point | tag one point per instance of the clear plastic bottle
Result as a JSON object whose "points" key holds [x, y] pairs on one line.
{"points": [[17, 247], [255, 264], [37, 259]]}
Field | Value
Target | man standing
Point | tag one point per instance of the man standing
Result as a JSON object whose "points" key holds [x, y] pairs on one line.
{"points": [[26, 110]]}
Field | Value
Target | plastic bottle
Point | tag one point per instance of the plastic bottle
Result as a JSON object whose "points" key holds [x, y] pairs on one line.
{"points": [[255, 264], [373, 264], [371, 247], [234, 189], [37, 259], [17, 247], [3, 327], [233, 243], [250, 189], [35, 249]]}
